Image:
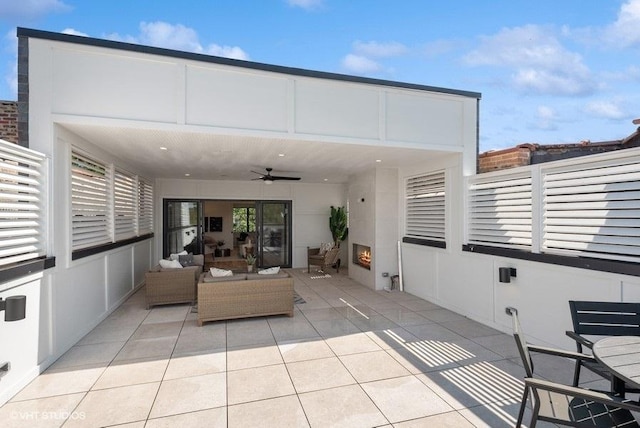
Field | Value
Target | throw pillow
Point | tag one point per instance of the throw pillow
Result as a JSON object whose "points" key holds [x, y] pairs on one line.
{"points": [[176, 256], [324, 247], [220, 272], [269, 271], [186, 260], [170, 264]]}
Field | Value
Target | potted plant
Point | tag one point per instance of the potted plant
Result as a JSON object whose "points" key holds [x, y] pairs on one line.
{"points": [[251, 259], [338, 224]]}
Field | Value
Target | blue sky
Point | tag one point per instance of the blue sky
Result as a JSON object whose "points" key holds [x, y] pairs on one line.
{"points": [[549, 71]]}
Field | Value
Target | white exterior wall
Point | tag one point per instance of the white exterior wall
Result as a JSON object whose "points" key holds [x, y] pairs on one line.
{"points": [[467, 282]]}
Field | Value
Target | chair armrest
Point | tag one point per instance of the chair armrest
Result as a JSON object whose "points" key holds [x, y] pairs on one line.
{"points": [[561, 353], [581, 340], [588, 394]]}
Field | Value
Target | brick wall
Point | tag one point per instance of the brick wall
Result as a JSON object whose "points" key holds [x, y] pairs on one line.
{"points": [[9, 121], [507, 158]]}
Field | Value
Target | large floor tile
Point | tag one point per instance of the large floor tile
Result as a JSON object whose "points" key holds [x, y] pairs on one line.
{"points": [[210, 418], [248, 357], [258, 384], [313, 375], [347, 407], [167, 313], [273, 413], [443, 420], [160, 329], [160, 347], [132, 372], [115, 406], [370, 366], [47, 412], [60, 382], [196, 365], [405, 398], [190, 394], [254, 331], [302, 350], [352, 344], [335, 327], [286, 329], [99, 354]]}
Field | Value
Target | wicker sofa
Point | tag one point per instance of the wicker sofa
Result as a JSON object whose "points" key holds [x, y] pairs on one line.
{"points": [[244, 295], [167, 286]]}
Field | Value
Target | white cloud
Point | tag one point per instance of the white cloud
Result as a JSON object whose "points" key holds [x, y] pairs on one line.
{"points": [[74, 32], [360, 65], [539, 62], [546, 119], [606, 109], [379, 50], [29, 9], [306, 4], [178, 37], [625, 31]]}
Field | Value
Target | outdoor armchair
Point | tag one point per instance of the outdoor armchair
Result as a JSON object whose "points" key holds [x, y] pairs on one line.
{"points": [[601, 319], [563, 404], [329, 258]]}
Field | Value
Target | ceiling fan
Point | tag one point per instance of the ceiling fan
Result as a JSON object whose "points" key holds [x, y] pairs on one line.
{"points": [[268, 178]]}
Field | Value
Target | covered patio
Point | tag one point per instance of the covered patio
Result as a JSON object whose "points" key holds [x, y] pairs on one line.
{"points": [[350, 357]]}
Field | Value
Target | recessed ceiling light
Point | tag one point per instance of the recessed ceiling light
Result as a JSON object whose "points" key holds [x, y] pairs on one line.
{"points": [[281, 155], [187, 175], [378, 160], [326, 179], [163, 148]]}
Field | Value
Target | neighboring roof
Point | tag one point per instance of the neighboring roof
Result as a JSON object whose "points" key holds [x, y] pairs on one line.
{"points": [[89, 41], [531, 153]]}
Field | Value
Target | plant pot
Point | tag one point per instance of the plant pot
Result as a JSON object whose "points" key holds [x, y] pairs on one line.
{"points": [[249, 268]]}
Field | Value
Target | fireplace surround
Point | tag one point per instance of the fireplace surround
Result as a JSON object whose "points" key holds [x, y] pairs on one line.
{"points": [[362, 256]]}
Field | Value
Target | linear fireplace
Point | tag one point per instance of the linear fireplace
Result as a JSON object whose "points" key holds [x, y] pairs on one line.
{"points": [[362, 256]]}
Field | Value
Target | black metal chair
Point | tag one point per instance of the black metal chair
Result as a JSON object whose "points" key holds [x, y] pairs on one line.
{"points": [[602, 319], [564, 404]]}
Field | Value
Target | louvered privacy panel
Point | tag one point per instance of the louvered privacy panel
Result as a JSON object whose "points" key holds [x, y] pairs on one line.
{"points": [[593, 208], [500, 210], [22, 178], [145, 207], [89, 202], [125, 199], [425, 210]]}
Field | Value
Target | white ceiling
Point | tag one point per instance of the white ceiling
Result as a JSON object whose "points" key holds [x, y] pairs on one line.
{"points": [[208, 156]]}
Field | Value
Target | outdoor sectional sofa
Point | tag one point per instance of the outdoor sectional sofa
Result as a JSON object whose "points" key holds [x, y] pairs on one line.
{"points": [[166, 286], [244, 295]]}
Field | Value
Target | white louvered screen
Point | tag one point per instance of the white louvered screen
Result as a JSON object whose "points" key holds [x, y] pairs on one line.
{"points": [[145, 207], [593, 209], [425, 199], [89, 202], [21, 203], [500, 210], [125, 203]]}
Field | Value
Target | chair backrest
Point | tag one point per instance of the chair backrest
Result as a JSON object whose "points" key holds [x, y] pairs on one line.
{"points": [[521, 342], [331, 256], [605, 318]]}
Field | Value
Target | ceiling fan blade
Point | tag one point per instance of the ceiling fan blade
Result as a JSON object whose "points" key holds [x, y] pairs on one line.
{"points": [[278, 177]]}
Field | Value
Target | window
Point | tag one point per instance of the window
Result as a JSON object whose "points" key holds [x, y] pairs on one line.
{"points": [[425, 207], [108, 204], [22, 175], [500, 210], [244, 220]]}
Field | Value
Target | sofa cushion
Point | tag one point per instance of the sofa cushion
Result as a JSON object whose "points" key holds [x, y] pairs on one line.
{"points": [[269, 271], [208, 278], [215, 272], [186, 260], [170, 264], [176, 256], [270, 276]]}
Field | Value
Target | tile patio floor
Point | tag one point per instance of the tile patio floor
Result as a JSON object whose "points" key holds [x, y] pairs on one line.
{"points": [[350, 357]]}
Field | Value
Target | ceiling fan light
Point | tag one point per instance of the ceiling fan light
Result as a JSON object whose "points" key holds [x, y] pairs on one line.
{"points": [[268, 181]]}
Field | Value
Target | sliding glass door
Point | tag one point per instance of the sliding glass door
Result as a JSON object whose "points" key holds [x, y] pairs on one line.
{"points": [[274, 233], [182, 227]]}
